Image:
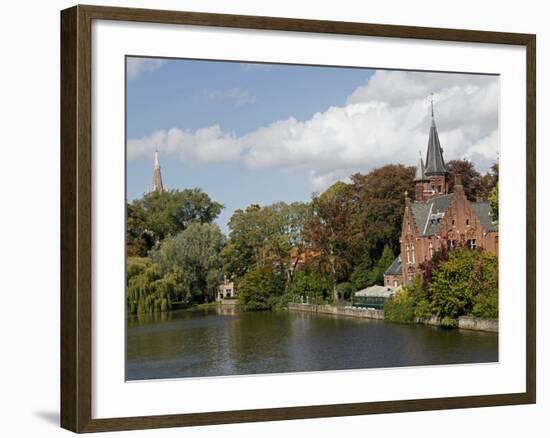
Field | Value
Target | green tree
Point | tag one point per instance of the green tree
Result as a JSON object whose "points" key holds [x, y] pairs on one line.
{"points": [[379, 200], [461, 282], [156, 216], [376, 275], [265, 236], [311, 284], [191, 260], [259, 288], [332, 232], [493, 200]]}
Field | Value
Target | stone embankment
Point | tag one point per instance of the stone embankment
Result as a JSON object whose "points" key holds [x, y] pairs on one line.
{"points": [[464, 322]]}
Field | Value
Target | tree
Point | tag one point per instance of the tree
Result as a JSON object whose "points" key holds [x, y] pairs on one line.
{"points": [[332, 232], [265, 236], [471, 179], [310, 283], [258, 288], [379, 199], [459, 283], [376, 275], [191, 260], [158, 215]]}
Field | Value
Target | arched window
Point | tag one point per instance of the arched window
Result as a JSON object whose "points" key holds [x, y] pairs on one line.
{"points": [[413, 257], [431, 250]]}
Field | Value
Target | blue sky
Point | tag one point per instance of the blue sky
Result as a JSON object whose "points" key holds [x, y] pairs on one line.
{"points": [[253, 133]]}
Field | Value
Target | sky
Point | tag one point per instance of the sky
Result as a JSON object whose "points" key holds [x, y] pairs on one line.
{"points": [[260, 133]]}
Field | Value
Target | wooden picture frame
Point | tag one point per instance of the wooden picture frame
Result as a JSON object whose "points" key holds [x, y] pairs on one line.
{"points": [[76, 217]]}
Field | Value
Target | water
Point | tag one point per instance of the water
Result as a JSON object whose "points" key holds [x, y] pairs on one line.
{"points": [[221, 342]]}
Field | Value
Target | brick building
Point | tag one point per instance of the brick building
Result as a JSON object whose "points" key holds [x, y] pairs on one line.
{"points": [[437, 218]]}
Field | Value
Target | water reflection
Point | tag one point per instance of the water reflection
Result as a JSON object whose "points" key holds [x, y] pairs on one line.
{"points": [[224, 341]]}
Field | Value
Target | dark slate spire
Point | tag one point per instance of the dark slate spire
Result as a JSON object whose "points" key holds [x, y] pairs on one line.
{"points": [[435, 165]]}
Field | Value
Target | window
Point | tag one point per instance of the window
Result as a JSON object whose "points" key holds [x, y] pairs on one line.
{"points": [[467, 221], [431, 249], [395, 283], [451, 244], [453, 222], [414, 259], [408, 255], [439, 188], [472, 244]]}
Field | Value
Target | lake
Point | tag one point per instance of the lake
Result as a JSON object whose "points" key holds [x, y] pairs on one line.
{"points": [[224, 341]]}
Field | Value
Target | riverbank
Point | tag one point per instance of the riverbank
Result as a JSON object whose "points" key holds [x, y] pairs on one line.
{"points": [[464, 322]]}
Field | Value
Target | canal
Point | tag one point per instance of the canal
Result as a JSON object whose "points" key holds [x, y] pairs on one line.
{"points": [[224, 341]]}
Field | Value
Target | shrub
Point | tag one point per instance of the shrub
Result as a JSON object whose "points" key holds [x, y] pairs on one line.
{"points": [[400, 308]]}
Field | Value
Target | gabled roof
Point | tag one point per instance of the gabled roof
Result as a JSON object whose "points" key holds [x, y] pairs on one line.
{"points": [[483, 212], [424, 212], [395, 268], [435, 165]]}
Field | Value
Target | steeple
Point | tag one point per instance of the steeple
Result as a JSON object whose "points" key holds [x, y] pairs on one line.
{"points": [[431, 177], [157, 177], [420, 174], [435, 165]]}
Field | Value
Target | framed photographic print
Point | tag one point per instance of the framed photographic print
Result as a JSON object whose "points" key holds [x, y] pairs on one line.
{"points": [[269, 218]]}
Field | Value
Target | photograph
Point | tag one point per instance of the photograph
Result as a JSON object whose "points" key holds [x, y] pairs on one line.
{"points": [[285, 218]]}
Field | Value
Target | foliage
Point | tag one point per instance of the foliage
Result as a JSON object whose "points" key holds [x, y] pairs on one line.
{"points": [[475, 185], [332, 232], [471, 178], [428, 267], [359, 278], [258, 288], [400, 308], [311, 284], [265, 236], [158, 215], [379, 197], [493, 200], [345, 290], [376, 275], [191, 259], [458, 283], [409, 302], [144, 291]]}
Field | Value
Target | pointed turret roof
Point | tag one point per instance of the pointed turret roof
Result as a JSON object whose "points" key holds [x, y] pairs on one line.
{"points": [[420, 171], [435, 165]]}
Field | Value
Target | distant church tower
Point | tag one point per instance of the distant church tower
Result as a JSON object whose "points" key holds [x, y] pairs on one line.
{"points": [[431, 179], [157, 177]]}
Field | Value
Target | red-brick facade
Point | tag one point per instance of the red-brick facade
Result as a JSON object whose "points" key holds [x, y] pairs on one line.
{"points": [[437, 219]]}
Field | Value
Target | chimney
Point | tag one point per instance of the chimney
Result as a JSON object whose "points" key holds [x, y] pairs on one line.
{"points": [[458, 188]]}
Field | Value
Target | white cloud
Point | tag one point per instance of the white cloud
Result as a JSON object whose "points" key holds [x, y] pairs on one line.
{"points": [[384, 121], [137, 66], [236, 95]]}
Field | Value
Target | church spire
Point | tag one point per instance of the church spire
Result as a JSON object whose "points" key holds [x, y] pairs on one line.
{"points": [[157, 177], [435, 165]]}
